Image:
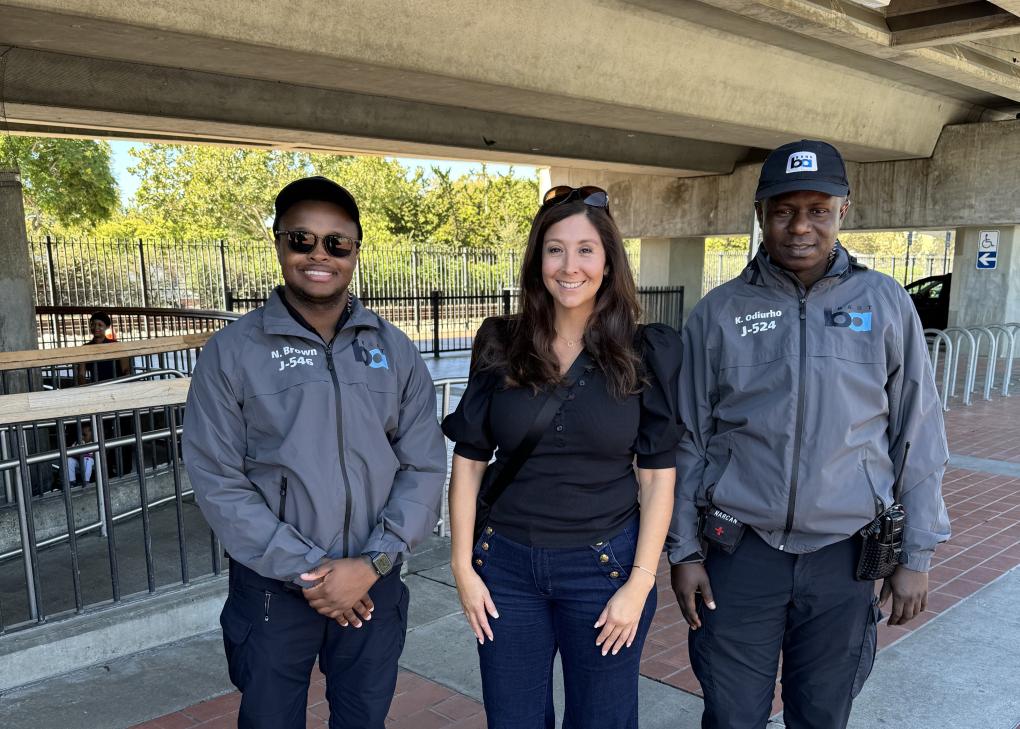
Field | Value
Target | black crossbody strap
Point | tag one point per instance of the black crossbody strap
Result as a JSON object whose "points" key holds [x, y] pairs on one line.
{"points": [[538, 427]]}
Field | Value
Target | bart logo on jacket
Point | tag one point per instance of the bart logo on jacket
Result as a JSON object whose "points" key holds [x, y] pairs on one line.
{"points": [[374, 358]]}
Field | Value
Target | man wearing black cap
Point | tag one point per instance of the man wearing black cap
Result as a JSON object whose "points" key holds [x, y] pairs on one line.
{"points": [[805, 383], [312, 444]]}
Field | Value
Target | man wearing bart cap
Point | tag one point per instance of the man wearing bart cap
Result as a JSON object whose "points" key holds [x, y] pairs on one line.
{"points": [[804, 380], [312, 444]]}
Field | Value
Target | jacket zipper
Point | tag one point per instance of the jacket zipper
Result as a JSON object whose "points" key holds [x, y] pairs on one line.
{"points": [[798, 435], [266, 611], [283, 498], [340, 443]]}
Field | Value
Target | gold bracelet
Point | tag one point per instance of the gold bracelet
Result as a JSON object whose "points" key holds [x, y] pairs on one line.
{"points": [[645, 569]]}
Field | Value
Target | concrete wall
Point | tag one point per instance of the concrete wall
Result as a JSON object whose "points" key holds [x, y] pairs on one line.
{"points": [[674, 262], [17, 306], [972, 179], [50, 515], [985, 296]]}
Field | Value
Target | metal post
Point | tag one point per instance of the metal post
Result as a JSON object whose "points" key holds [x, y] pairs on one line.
{"points": [[506, 302], [906, 262], [945, 253], [100, 476], [26, 521], [145, 276], [436, 295], [223, 272]]}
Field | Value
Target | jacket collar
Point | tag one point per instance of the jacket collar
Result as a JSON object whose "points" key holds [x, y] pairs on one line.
{"points": [[277, 318], [761, 271]]}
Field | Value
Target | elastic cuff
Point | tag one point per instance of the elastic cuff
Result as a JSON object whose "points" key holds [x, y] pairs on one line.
{"points": [[472, 453], [686, 552], [666, 459], [919, 561]]}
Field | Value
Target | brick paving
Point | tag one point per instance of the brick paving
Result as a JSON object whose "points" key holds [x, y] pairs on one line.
{"points": [[417, 704], [985, 513]]}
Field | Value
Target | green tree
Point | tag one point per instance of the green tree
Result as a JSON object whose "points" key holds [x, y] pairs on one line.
{"points": [[68, 183], [197, 192]]}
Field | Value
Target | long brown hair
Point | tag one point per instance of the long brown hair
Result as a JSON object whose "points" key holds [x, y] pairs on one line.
{"points": [[526, 354]]}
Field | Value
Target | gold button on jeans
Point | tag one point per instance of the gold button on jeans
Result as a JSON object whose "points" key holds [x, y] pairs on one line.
{"points": [[614, 574], [478, 562], [485, 546], [603, 558]]}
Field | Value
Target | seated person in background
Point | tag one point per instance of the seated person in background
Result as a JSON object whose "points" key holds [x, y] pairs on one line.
{"points": [[100, 325], [79, 468]]}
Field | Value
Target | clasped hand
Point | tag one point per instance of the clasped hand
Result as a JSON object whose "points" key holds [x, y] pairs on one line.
{"points": [[341, 592]]}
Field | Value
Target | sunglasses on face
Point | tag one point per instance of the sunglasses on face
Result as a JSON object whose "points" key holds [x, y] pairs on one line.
{"points": [[590, 195], [336, 245]]}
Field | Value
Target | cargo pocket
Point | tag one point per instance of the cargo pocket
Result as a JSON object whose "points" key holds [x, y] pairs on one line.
{"points": [[236, 629], [869, 647]]}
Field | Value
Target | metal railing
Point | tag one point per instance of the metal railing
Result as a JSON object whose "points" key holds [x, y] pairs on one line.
{"points": [[442, 322], [446, 406], [207, 273], [720, 267], [67, 326], [138, 493]]}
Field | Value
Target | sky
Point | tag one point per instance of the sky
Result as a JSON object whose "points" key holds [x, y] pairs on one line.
{"points": [[128, 183]]}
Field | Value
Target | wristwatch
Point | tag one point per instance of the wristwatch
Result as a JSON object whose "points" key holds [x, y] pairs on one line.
{"points": [[381, 562]]}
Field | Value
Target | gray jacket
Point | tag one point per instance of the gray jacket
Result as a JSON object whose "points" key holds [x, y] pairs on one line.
{"points": [[299, 450], [798, 406]]}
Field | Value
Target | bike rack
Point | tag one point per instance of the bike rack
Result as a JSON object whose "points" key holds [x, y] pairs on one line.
{"points": [[993, 343], [1008, 353], [968, 380], [939, 338]]}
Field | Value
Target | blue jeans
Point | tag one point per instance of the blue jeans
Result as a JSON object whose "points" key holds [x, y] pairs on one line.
{"points": [[548, 601]]}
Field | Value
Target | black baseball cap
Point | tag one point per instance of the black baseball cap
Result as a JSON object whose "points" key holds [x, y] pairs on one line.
{"points": [[804, 165], [317, 188]]}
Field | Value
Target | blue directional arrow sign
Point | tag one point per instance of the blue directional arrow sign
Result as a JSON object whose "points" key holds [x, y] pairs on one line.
{"points": [[987, 250], [987, 260]]}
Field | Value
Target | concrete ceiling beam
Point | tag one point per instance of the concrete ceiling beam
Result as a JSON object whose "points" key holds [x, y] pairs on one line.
{"points": [[1012, 6], [57, 93], [599, 63], [863, 30], [935, 24]]}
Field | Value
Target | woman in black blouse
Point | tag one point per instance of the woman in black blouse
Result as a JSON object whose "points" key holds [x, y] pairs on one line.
{"points": [[565, 563]]}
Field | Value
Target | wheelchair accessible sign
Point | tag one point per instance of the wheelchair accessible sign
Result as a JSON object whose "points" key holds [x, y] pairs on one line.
{"points": [[988, 250]]}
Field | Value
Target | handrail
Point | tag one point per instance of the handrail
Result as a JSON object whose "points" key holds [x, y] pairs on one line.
{"points": [[971, 363], [78, 401], [939, 337], [28, 358], [140, 311], [993, 344]]}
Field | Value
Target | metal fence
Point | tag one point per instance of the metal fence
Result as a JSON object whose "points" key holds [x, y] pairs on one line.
{"points": [[721, 267], [67, 326], [209, 274], [442, 322]]}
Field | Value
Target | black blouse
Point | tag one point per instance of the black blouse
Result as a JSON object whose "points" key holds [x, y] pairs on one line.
{"points": [[578, 486]]}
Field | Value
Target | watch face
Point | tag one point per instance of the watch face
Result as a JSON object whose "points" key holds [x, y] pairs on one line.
{"points": [[383, 564]]}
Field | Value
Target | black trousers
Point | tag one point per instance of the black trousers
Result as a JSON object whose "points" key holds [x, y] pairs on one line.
{"points": [[807, 606], [272, 639]]}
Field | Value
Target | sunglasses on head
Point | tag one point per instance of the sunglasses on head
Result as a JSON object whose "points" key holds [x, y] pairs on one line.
{"points": [[336, 245], [590, 195]]}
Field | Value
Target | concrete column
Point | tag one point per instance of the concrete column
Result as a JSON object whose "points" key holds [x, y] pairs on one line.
{"points": [[674, 262], [17, 321], [985, 296]]}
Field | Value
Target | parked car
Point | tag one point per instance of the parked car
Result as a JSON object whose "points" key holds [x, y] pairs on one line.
{"points": [[931, 299]]}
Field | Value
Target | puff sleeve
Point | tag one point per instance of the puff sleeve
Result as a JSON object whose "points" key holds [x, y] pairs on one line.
{"points": [[468, 426], [659, 430]]}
